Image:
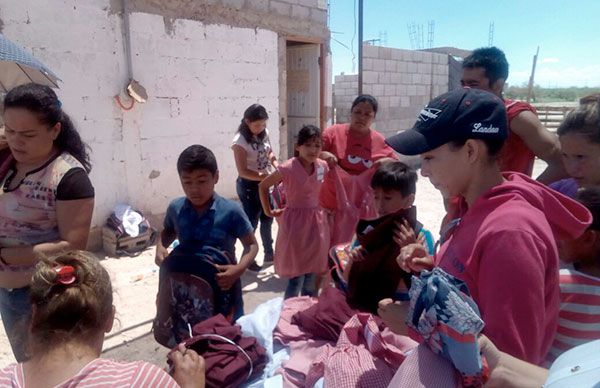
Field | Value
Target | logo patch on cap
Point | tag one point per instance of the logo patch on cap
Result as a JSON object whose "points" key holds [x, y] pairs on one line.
{"points": [[479, 128], [429, 113]]}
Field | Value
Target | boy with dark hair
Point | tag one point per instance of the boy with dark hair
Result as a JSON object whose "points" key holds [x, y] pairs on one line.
{"points": [[394, 187], [395, 176], [487, 69], [203, 219]]}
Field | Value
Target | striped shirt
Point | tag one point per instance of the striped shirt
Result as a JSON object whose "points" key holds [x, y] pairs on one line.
{"points": [[100, 373], [579, 315]]}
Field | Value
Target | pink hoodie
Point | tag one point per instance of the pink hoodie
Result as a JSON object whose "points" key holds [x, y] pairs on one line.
{"points": [[504, 248]]}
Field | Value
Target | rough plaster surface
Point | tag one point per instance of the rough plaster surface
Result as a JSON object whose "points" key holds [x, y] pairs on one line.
{"points": [[288, 17], [199, 78]]}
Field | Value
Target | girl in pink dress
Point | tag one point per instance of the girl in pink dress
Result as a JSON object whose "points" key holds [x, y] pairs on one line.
{"points": [[303, 236]]}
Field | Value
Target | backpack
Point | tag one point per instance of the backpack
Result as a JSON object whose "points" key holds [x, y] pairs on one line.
{"points": [[185, 299]]}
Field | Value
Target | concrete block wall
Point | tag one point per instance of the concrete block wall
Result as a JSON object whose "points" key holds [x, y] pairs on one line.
{"points": [[199, 77], [344, 92], [288, 17], [403, 81]]}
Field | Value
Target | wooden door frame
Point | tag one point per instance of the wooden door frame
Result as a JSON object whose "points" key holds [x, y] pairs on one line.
{"points": [[283, 80]]}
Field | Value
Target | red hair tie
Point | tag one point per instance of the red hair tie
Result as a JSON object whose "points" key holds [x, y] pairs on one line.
{"points": [[65, 274]]}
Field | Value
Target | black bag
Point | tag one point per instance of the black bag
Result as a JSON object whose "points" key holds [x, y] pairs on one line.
{"points": [[187, 298]]}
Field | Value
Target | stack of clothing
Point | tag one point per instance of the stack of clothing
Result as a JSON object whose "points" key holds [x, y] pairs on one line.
{"points": [[325, 334], [231, 359]]}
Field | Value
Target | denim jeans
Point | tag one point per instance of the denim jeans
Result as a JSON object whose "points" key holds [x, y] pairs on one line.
{"points": [[304, 285], [15, 309], [247, 190]]}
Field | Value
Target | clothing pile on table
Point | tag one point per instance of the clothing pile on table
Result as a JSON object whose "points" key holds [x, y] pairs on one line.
{"points": [[310, 342], [325, 343], [231, 359]]}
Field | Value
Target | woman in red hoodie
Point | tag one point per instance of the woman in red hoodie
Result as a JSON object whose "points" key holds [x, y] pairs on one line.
{"points": [[503, 243]]}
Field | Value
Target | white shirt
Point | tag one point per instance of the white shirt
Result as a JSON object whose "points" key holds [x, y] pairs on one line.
{"points": [[257, 153]]}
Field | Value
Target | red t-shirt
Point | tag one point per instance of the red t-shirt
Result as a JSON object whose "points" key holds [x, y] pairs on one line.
{"points": [[515, 155], [355, 154]]}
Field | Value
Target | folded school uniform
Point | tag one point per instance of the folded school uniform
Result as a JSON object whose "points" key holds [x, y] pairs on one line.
{"points": [[362, 357], [231, 359], [302, 348], [448, 321], [326, 318]]}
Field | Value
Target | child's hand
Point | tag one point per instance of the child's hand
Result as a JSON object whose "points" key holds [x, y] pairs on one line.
{"points": [[394, 315], [161, 254], [276, 212], [357, 254], [405, 235], [330, 158], [414, 258], [228, 275]]}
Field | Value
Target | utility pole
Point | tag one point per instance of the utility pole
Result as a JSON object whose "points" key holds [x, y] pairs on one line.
{"points": [[530, 87], [360, 44]]}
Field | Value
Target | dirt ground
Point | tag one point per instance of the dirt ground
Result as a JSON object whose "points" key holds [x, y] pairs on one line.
{"points": [[135, 282]]}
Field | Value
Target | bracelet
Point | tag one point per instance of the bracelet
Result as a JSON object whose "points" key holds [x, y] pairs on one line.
{"points": [[2, 260]]}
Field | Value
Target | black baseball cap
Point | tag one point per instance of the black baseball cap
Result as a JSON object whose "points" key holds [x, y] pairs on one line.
{"points": [[460, 114]]}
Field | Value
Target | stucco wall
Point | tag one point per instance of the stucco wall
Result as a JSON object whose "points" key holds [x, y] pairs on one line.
{"points": [[199, 77], [403, 81]]}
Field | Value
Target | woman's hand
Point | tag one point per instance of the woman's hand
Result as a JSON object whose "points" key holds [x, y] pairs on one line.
{"points": [[414, 258], [507, 371], [189, 367], [330, 158], [394, 315]]}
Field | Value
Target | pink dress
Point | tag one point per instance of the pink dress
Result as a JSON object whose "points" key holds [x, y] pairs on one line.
{"points": [[354, 198], [303, 237]]}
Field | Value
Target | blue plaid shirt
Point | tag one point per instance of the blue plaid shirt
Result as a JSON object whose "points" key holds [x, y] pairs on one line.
{"points": [[218, 226]]}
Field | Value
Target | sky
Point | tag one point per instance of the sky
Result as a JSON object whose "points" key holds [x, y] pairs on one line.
{"points": [[567, 32]]}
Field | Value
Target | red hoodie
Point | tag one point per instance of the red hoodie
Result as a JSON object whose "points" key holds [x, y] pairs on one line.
{"points": [[504, 248]]}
